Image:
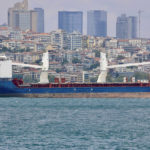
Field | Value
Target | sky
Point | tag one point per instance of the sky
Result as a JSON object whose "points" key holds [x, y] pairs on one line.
{"points": [[113, 7]]}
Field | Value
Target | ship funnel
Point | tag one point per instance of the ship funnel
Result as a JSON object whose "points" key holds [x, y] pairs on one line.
{"points": [[103, 68]]}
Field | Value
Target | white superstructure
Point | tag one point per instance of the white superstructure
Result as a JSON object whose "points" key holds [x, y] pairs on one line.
{"points": [[5, 68]]}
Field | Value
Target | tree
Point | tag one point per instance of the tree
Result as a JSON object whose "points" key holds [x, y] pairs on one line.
{"points": [[28, 49], [120, 57], [76, 60], [51, 78], [141, 76], [5, 49], [58, 70], [93, 80], [97, 53], [65, 61], [111, 78], [93, 66], [39, 62]]}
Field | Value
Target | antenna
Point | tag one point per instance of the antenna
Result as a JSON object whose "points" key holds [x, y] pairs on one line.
{"points": [[139, 14]]}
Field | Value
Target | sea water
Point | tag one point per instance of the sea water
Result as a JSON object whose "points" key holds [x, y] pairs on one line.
{"points": [[74, 124]]}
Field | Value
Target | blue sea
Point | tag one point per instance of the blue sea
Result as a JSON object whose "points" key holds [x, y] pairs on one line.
{"points": [[74, 124]]}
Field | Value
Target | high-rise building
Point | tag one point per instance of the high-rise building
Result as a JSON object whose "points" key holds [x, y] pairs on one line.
{"points": [[122, 27], [40, 19], [132, 27], [126, 27], [97, 23], [70, 21], [18, 6], [33, 21], [21, 18]]}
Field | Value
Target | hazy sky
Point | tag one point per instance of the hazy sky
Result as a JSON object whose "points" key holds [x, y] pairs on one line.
{"points": [[113, 7]]}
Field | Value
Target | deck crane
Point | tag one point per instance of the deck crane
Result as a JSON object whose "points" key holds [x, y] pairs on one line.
{"points": [[104, 67]]}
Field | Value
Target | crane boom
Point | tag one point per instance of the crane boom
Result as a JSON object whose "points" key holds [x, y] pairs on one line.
{"points": [[128, 65], [26, 65]]}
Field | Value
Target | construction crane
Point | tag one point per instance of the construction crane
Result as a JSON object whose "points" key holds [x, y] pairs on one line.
{"points": [[139, 14]]}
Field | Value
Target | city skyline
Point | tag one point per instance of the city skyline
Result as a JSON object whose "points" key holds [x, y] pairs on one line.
{"points": [[114, 8]]}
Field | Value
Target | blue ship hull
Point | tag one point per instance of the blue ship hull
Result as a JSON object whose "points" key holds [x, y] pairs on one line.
{"points": [[7, 88]]}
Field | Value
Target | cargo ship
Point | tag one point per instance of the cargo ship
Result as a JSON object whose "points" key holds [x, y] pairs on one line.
{"points": [[60, 89]]}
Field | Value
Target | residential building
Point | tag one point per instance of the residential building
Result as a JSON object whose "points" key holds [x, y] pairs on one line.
{"points": [[75, 40], [84, 42], [97, 23], [59, 38], [70, 21], [5, 31], [113, 43], [16, 35], [85, 77], [41, 37]]}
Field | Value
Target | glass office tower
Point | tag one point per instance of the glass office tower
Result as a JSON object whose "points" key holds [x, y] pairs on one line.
{"points": [[40, 19], [97, 23], [126, 27], [70, 21]]}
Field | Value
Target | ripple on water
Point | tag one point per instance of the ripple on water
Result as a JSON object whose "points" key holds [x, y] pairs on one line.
{"points": [[75, 124]]}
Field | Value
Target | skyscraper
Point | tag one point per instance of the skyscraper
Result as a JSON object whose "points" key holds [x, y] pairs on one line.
{"points": [[40, 19], [97, 23], [33, 21], [126, 27], [21, 18], [132, 27], [122, 27], [18, 6], [70, 21]]}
